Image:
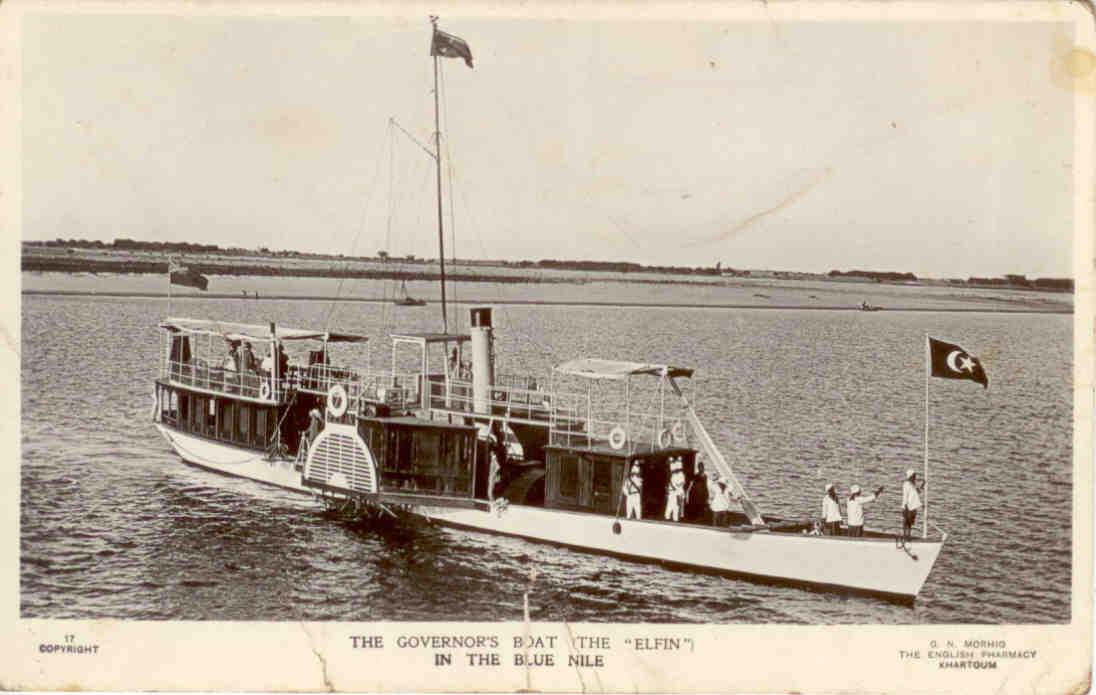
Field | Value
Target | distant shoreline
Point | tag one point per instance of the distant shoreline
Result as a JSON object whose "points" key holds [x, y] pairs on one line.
{"points": [[550, 302], [110, 261]]}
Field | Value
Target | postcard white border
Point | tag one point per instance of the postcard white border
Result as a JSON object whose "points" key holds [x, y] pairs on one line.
{"points": [[230, 656]]}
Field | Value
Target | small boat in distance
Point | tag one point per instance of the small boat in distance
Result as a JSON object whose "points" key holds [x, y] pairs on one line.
{"points": [[406, 299], [864, 306]]}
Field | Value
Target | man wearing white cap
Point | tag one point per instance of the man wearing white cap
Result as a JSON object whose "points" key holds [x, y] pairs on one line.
{"points": [[719, 501], [632, 491], [315, 424], [675, 491], [856, 509], [831, 512], [911, 502]]}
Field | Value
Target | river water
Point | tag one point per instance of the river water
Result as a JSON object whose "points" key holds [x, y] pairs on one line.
{"points": [[113, 525]]}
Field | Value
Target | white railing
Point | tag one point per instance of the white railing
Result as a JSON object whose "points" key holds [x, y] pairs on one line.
{"points": [[576, 423], [395, 390], [198, 374], [509, 401]]}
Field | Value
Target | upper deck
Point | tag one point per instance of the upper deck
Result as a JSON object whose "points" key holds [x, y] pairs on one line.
{"points": [[269, 364]]}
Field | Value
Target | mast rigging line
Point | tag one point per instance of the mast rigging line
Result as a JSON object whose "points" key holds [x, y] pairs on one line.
{"points": [[391, 211], [354, 246], [412, 138]]}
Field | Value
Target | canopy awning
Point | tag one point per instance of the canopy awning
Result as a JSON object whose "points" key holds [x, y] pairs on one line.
{"points": [[256, 332], [594, 368], [428, 338]]}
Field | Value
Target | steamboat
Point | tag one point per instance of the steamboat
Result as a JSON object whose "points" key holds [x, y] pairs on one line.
{"points": [[453, 443], [448, 441]]}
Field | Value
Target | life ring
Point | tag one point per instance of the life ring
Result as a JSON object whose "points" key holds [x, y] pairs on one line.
{"points": [[678, 432], [618, 438], [665, 439], [264, 390], [336, 400], [498, 396]]}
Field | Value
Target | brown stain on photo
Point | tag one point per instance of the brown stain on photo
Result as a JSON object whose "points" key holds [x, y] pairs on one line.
{"points": [[1074, 68], [746, 222]]}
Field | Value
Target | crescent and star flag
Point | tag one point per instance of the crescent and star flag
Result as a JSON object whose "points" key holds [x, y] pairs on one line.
{"points": [[181, 275], [449, 46], [953, 362]]}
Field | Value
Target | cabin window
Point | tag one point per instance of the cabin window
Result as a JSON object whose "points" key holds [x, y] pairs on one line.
{"points": [[568, 477], [427, 454], [260, 426], [426, 459], [196, 409], [398, 456], [603, 485], [211, 417], [461, 452], [184, 410], [226, 418], [243, 420]]}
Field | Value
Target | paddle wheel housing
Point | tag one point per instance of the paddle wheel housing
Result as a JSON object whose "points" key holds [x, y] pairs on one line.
{"points": [[339, 461]]}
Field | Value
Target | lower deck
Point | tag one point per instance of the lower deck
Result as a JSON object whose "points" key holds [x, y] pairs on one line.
{"points": [[417, 461]]}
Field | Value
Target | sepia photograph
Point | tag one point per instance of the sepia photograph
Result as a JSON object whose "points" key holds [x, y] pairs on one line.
{"points": [[438, 331]]}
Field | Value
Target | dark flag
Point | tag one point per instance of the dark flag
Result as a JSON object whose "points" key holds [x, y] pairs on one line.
{"points": [[181, 275], [449, 46], [953, 362]]}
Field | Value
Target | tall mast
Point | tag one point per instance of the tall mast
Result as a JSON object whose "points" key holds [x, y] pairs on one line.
{"points": [[437, 167]]}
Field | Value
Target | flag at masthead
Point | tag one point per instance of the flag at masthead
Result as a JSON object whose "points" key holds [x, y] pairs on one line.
{"points": [[449, 46]]}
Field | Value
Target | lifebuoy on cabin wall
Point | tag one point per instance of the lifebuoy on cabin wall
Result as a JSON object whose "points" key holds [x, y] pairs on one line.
{"points": [[665, 439], [618, 438], [336, 400], [264, 390]]}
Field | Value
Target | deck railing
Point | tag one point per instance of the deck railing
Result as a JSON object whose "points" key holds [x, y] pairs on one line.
{"points": [[395, 390], [511, 399], [576, 423], [198, 374]]}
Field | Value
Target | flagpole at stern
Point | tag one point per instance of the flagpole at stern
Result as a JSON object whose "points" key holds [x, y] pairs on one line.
{"points": [[925, 475]]}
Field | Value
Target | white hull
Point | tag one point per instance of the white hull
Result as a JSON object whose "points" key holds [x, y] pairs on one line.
{"points": [[876, 566], [233, 460]]}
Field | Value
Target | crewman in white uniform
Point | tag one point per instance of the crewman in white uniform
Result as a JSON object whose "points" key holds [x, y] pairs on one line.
{"points": [[856, 509], [633, 490], [911, 502], [831, 512], [675, 491], [719, 501]]}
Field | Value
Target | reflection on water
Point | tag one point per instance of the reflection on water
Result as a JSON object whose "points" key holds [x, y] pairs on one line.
{"points": [[113, 525]]}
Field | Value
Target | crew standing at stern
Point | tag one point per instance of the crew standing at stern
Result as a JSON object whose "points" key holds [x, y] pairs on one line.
{"points": [[856, 509], [675, 491], [831, 512], [911, 502]]}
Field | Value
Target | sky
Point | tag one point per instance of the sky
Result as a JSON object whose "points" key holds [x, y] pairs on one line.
{"points": [[940, 148]]}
